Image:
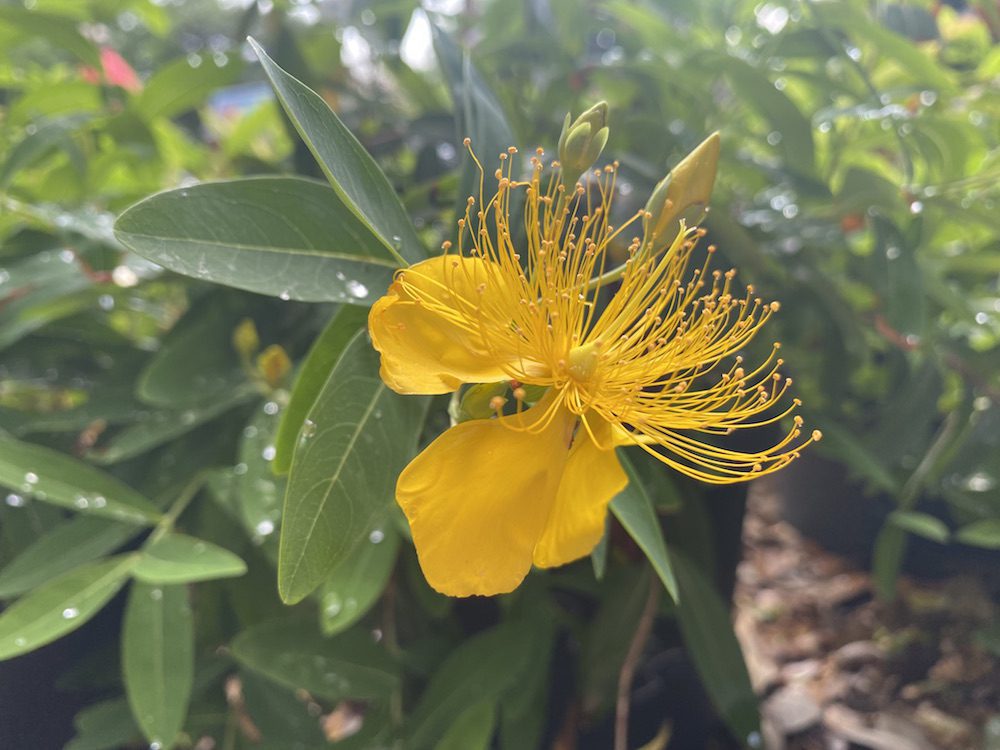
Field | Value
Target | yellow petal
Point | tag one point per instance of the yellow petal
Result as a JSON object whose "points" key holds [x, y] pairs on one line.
{"points": [[591, 479], [478, 497], [424, 349]]}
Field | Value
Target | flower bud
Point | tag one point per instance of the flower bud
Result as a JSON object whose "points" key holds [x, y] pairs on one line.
{"points": [[274, 365], [477, 401], [582, 141], [689, 184], [245, 338]]}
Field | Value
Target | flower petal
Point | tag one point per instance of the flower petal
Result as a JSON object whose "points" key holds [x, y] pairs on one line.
{"points": [[424, 350], [478, 497], [592, 477]]}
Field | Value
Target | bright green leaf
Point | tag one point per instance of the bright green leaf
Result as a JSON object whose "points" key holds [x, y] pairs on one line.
{"points": [[158, 659], [283, 236], [178, 86], [344, 469], [59, 479], [61, 605], [357, 583], [350, 169], [635, 511], [64, 548], [323, 355], [178, 558]]}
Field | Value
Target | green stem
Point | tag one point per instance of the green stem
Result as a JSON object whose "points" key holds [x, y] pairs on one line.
{"points": [[187, 494]]}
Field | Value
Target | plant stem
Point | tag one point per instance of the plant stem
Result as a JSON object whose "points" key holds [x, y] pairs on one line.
{"points": [[187, 494], [635, 649]]}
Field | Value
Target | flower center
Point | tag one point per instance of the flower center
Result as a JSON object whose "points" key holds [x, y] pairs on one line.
{"points": [[582, 361]]}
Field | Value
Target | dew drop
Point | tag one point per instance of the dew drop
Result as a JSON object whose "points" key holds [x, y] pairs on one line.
{"points": [[332, 605], [70, 612], [376, 536], [268, 453], [31, 478], [271, 408], [249, 432], [19, 641], [240, 469], [81, 502], [308, 429], [265, 527], [357, 289], [285, 295], [156, 594], [14, 500]]}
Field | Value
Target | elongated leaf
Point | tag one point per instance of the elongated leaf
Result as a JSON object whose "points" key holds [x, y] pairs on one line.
{"points": [[350, 169], [64, 548], [984, 533], [635, 511], [160, 427], [178, 558], [204, 337], [158, 659], [479, 670], [56, 478], [351, 665], [921, 524], [478, 115], [323, 355], [343, 472], [104, 726], [180, 86], [52, 133], [258, 492], [472, 729], [61, 605], [58, 31], [282, 236], [709, 637], [356, 584]]}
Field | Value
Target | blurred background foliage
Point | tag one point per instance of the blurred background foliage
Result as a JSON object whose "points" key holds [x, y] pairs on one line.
{"points": [[858, 185]]}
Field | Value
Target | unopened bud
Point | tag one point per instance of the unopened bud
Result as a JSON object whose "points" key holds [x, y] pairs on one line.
{"points": [[582, 141], [688, 185], [274, 365], [245, 338]]}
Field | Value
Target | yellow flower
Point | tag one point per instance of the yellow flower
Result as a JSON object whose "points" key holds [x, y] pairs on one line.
{"points": [[641, 355]]}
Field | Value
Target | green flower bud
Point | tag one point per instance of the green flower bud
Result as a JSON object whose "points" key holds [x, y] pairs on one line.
{"points": [[582, 141], [688, 185]]}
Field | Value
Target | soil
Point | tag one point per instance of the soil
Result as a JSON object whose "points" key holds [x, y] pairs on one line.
{"points": [[838, 669]]}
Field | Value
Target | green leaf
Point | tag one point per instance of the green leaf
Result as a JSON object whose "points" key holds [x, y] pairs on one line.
{"points": [[356, 584], [178, 86], [479, 670], [50, 134], [59, 32], [56, 478], [351, 665], [344, 469], [323, 355], [635, 511], [782, 115], [478, 116], [472, 729], [64, 548], [196, 365], [178, 558], [921, 524], [258, 491], [283, 236], [104, 726], [984, 533], [708, 634], [158, 659], [283, 720], [350, 169], [160, 427], [61, 605]]}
